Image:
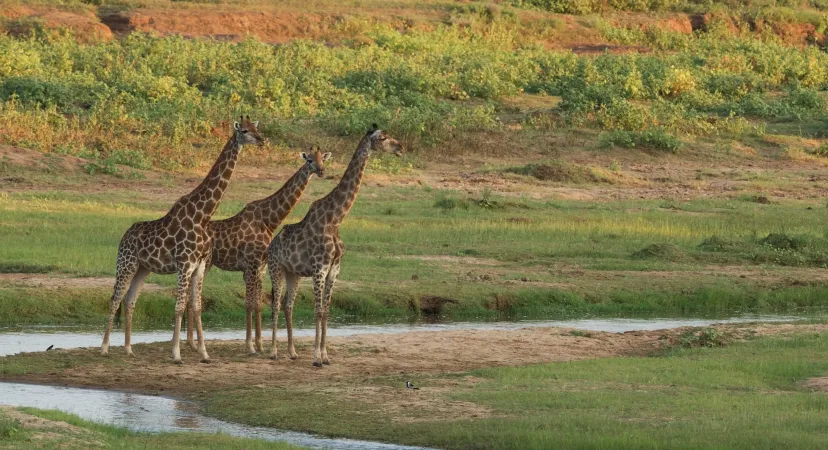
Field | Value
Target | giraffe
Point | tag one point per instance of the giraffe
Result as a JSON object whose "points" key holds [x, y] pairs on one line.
{"points": [[240, 242], [313, 248], [177, 243]]}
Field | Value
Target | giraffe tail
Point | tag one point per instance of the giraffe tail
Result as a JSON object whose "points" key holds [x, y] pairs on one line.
{"points": [[273, 301], [118, 316]]}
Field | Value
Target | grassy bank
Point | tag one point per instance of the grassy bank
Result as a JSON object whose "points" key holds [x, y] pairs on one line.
{"points": [[27, 428], [747, 396]]}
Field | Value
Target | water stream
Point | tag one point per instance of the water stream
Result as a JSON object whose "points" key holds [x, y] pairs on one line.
{"points": [[38, 338]]}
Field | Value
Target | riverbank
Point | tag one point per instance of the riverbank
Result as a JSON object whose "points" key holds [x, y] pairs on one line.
{"points": [[28, 428]]}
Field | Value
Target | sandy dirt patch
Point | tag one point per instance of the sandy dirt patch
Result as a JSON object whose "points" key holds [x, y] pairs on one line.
{"points": [[151, 370], [48, 281]]}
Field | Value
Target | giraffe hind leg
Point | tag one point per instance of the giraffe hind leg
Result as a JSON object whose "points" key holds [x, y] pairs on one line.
{"points": [[195, 306], [318, 287], [329, 284], [185, 272], [277, 278], [195, 288], [125, 272], [292, 283], [129, 305]]}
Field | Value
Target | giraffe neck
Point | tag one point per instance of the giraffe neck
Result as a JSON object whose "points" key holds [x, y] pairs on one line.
{"points": [[207, 196], [333, 208], [278, 206]]}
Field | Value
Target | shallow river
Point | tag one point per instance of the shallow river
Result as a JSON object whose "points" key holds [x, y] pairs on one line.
{"points": [[35, 339]]}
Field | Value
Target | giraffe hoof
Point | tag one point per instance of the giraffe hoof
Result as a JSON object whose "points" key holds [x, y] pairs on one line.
{"points": [[326, 362], [205, 361], [317, 364], [294, 357], [178, 361], [274, 357]]}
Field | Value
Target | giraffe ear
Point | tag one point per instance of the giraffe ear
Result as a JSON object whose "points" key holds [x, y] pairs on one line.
{"points": [[326, 156], [256, 124], [236, 126]]}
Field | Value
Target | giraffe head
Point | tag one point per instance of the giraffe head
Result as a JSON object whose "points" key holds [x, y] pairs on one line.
{"points": [[247, 132], [382, 142], [316, 161]]}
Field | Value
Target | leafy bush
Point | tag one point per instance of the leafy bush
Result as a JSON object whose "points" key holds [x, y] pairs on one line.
{"points": [[8, 426], [705, 338], [661, 251], [782, 241], [719, 244], [447, 203], [659, 139], [654, 138]]}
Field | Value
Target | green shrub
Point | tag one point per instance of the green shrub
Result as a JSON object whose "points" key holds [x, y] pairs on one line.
{"points": [[659, 139], [8, 426], [654, 138], [719, 244], [446, 203], [660, 251], [618, 138], [781, 241]]}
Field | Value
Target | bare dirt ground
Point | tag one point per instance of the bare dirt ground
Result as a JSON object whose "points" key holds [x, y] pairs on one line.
{"points": [[52, 281], [673, 179], [354, 357]]}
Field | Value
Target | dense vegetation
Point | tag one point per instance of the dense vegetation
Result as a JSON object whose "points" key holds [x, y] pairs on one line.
{"points": [[144, 100]]}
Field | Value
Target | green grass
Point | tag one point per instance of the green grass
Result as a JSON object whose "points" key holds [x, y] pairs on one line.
{"points": [[473, 254], [69, 431], [743, 396]]}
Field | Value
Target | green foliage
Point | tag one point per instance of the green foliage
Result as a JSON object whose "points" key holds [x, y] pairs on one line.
{"points": [[8, 426], [781, 241], [447, 203], [654, 138], [659, 251], [705, 338]]}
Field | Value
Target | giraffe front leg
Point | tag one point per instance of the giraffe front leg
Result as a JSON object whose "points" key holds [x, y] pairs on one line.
{"points": [[126, 271], [277, 277], [190, 327], [252, 296], [185, 272], [329, 284], [318, 310], [198, 279]]}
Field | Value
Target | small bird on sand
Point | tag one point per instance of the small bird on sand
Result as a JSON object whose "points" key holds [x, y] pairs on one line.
{"points": [[50, 347], [410, 386]]}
